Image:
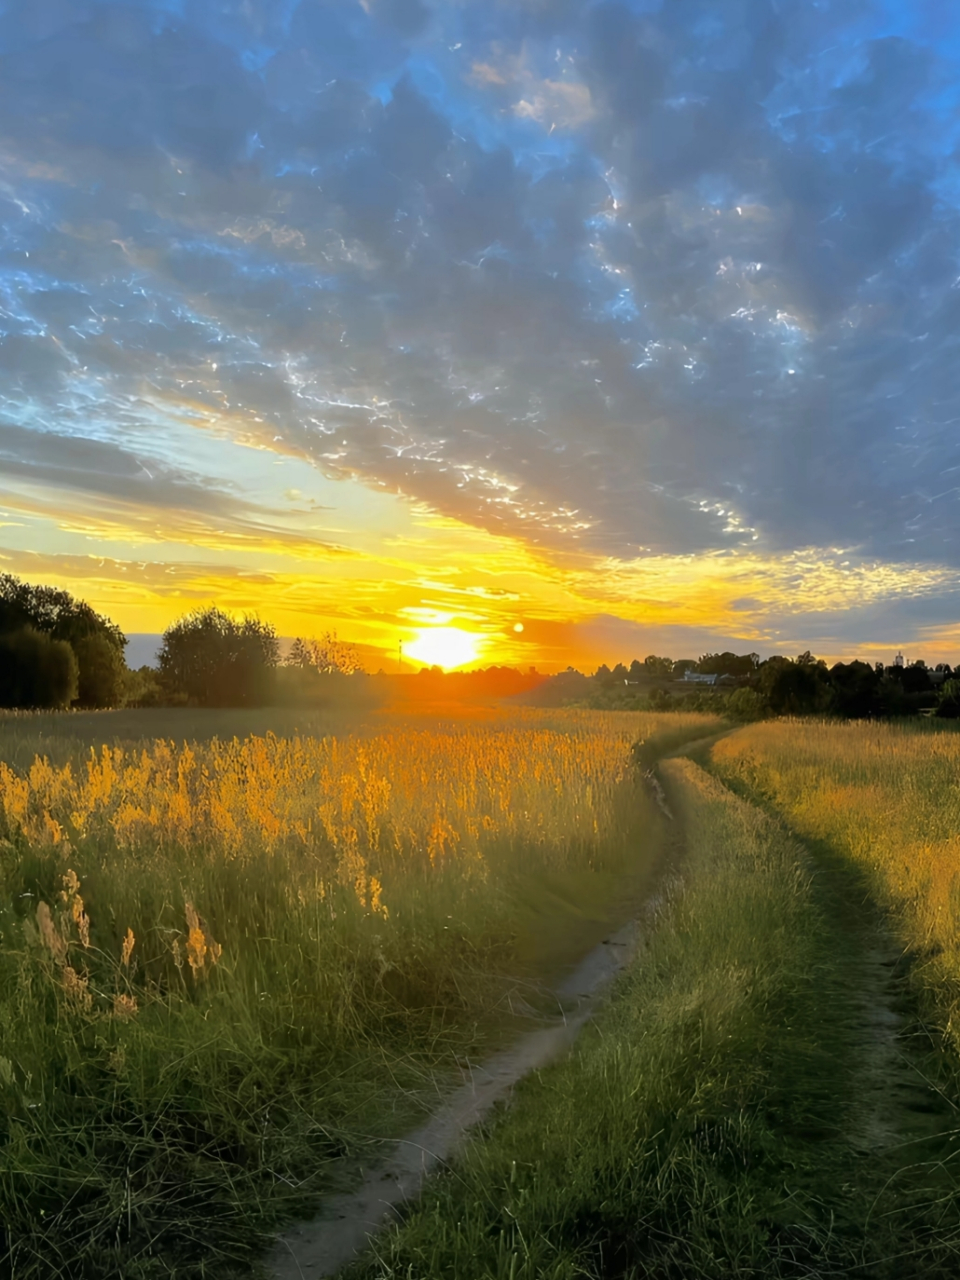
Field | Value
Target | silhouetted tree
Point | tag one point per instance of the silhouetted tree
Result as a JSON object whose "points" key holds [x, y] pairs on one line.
{"points": [[948, 706], [913, 678], [794, 688], [728, 664], [856, 689], [209, 658], [36, 671], [327, 656], [636, 670], [97, 642], [101, 671], [655, 666]]}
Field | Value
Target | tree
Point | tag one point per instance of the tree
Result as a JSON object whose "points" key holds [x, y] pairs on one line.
{"points": [[683, 665], [913, 678], [659, 667], [620, 673], [210, 658], [327, 656], [729, 664], [795, 688], [36, 671], [142, 688], [744, 704], [948, 707], [57, 614], [856, 689], [102, 671], [636, 670]]}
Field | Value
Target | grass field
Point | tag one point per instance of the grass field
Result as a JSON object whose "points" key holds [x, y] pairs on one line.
{"points": [[663, 1146], [886, 797], [741, 1108], [226, 960]]}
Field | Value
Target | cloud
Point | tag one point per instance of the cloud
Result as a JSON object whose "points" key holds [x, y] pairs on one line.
{"points": [[93, 487], [622, 281]]}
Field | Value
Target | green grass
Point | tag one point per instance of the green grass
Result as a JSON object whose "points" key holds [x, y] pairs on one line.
{"points": [[700, 1128], [171, 1143]]}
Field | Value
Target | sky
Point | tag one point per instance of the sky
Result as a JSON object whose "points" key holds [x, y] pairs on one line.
{"points": [[527, 331]]}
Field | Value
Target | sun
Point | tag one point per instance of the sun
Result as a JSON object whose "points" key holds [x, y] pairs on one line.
{"points": [[444, 647]]}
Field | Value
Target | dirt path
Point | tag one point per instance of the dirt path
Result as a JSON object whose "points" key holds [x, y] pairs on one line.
{"points": [[899, 1113], [898, 1147], [899, 1134], [348, 1221]]}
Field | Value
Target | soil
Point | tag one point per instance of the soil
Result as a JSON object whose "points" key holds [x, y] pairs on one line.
{"points": [[349, 1220]]}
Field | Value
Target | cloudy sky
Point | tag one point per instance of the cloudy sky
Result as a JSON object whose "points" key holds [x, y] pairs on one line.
{"points": [[634, 324]]}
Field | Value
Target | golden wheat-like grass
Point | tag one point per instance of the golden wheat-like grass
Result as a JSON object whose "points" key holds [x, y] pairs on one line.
{"points": [[257, 860], [887, 796], [424, 796]]}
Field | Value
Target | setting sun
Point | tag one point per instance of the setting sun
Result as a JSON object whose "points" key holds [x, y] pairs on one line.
{"points": [[445, 647]]}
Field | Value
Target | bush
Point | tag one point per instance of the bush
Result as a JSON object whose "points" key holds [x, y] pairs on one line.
{"points": [[659, 700], [36, 671], [211, 659], [101, 671], [744, 704], [141, 688], [948, 706]]}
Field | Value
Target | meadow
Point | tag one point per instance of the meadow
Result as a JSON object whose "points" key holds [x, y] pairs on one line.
{"points": [[886, 798], [229, 959], [657, 1147], [760, 1097]]}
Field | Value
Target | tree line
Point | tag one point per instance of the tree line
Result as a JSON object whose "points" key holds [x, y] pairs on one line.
{"points": [[804, 685], [56, 651]]}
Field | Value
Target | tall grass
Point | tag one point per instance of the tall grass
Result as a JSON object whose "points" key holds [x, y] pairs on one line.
{"points": [[225, 964], [887, 797], [673, 1142]]}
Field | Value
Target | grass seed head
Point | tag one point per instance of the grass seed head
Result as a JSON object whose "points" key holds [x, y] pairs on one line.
{"points": [[48, 932], [125, 1007]]}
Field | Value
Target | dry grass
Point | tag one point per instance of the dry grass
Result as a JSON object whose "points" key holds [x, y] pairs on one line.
{"points": [[224, 962], [888, 797]]}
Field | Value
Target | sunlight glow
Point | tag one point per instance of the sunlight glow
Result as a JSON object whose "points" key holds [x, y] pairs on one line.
{"points": [[445, 647]]}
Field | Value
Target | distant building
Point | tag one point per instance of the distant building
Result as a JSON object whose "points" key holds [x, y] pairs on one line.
{"points": [[695, 677], [898, 660]]}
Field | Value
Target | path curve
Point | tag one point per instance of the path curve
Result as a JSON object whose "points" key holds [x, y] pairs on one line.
{"points": [[349, 1221]]}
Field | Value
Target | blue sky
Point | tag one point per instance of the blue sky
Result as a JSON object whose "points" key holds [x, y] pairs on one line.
{"points": [[635, 322]]}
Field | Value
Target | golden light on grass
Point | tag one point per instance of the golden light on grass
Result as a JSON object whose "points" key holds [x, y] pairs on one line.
{"points": [[363, 887], [885, 796], [445, 647]]}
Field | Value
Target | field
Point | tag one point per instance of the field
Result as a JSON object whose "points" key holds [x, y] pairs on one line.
{"points": [[887, 799], [226, 961], [233, 963], [772, 1090]]}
